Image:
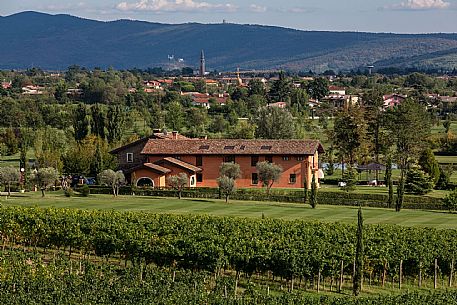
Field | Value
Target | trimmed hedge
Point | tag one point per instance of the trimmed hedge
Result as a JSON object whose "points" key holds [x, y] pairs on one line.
{"points": [[281, 195]]}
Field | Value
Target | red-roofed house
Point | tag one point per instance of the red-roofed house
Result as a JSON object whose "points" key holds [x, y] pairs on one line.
{"points": [[337, 90], [200, 159], [281, 105], [392, 100], [6, 85], [153, 84], [211, 82], [167, 82], [205, 100]]}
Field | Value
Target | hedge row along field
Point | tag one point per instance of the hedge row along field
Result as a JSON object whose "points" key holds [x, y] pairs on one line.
{"points": [[34, 279], [292, 196], [287, 249]]}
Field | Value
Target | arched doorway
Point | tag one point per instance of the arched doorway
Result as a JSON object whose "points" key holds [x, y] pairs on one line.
{"points": [[145, 181]]}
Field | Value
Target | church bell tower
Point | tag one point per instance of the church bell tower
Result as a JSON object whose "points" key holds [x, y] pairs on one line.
{"points": [[202, 64]]}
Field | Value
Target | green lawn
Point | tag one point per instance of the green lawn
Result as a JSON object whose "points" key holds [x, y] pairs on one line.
{"points": [[434, 219]]}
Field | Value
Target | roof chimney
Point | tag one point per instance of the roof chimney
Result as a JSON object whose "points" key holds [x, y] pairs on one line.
{"points": [[174, 135]]}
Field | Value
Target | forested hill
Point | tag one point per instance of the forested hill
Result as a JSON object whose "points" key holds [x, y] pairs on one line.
{"points": [[32, 39]]}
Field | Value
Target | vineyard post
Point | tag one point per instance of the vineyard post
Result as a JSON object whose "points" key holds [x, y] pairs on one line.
{"points": [[236, 282], [384, 273], [305, 190], [451, 272], [319, 280], [340, 284], [400, 274], [420, 274], [435, 282]]}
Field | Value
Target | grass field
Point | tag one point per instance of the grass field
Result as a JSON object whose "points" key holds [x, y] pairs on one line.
{"points": [[288, 211]]}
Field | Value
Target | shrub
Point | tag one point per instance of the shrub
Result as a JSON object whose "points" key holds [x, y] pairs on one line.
{"points": [[350, 180], [84, 190], [450, 201], [69, 192], [418, 182]]}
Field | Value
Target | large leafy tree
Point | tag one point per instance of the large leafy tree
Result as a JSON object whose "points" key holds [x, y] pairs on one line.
{"points": [[9, 175], [318, 88], [256, 87], [197, 121], [242, 130], [274, 123], [175, 116], [280, 89], [409, 127], [349, 133]]}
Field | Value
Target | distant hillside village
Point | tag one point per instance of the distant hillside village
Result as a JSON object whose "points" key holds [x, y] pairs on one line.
{"points": [[82, 121]]}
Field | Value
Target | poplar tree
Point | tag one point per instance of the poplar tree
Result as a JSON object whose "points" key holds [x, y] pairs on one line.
{"points": [[115, 124], [81, 122], [98, 121]]}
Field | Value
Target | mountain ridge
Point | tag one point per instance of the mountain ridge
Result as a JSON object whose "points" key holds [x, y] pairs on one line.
{"points": [[57, 41]]}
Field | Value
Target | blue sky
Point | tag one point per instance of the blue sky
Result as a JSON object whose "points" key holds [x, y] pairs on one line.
{"points": [[400, 16]]}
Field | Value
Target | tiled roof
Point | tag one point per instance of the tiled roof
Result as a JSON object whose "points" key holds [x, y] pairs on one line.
{"points": [[157, 167], [179, 163], [152, 166], [160, 135], [232, 147], [217, 100]]}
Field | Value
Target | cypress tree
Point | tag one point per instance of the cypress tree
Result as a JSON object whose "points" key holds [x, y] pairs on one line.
{"points": [[389, 182], [24, 164], [313, 195], [400, 194], [97, 166], [359, 254], [305, 191]]}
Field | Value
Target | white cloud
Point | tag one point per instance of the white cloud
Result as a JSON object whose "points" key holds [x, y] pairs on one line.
{"points": [[421, 5], [297, 10], [257, 8], [174, 6]]}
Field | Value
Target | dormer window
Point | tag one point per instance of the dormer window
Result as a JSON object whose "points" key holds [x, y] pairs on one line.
{"points": [[129, 157]]}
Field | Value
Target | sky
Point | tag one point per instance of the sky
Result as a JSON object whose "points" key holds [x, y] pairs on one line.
{"points": [[398, 16]]}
